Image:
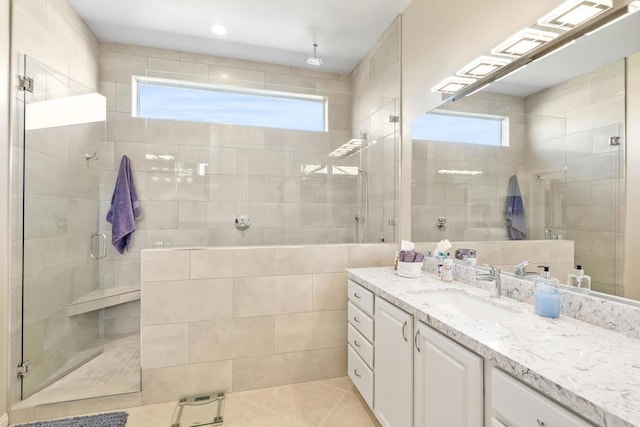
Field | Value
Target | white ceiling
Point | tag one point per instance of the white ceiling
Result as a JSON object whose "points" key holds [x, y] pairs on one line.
{"points": [[606, 46], [274, 31]]}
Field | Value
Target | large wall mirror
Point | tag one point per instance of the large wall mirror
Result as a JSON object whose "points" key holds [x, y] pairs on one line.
{"points": [[558, 126]]}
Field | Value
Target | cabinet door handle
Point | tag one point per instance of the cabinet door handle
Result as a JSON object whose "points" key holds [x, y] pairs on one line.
{"points": [[355, 372], [404, 331], [355, 319], [540, 423], [415, 340], [356, 295], [355, 342]]}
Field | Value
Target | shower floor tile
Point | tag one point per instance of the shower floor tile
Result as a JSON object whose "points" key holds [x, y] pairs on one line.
{"points": [[115, 371]]}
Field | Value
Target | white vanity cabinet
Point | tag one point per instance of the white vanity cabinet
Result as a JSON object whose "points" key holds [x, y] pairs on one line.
{"points": [[515, 404], [360, 333], [393, 372], [448, 382]]}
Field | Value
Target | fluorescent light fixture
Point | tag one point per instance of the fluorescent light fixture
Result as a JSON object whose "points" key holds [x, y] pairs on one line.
{"points": [[452, 84], [346, 148], [71, 110], [458, 172], [218, 29], [482, 66], [524, 42], [573, 13]]}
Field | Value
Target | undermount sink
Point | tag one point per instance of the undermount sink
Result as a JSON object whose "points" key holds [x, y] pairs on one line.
{"points": [[463, 304]]}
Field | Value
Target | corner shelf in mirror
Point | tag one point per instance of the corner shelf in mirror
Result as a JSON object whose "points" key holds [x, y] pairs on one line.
{"points": [[102, 298]]}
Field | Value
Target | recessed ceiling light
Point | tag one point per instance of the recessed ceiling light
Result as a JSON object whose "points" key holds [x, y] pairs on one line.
{"points": [[452, 84], [482, 66], [573, 13], [218, 29], [524, 42]]}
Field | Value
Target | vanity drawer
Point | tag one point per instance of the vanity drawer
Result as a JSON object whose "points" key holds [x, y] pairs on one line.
{"points": [[361, 297], [363, 347], [360, 321], [515, 404], [361, 376]]}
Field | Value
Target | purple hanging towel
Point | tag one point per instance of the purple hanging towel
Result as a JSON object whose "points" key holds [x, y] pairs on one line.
{"points": [[124, 209], [516, 222]]}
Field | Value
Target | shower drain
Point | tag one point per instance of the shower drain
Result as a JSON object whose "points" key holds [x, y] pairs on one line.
{"points": [[199, 411]]}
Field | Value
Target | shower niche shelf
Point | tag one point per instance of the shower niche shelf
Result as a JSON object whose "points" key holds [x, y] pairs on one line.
{"points": [[102, 298]]}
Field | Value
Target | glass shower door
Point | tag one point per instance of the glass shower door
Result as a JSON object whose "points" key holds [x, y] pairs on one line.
{"points": [[61, 249]]}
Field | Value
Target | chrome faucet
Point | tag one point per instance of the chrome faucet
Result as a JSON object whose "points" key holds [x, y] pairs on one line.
{"points": [[520, 270], [492, 276]]}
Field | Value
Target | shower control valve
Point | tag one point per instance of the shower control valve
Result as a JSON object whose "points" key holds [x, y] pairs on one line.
{"points": [[242, 222]]}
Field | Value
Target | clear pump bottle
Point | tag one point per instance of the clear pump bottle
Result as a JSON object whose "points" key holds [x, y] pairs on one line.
{"points": [[546, 295], [579, 280]]}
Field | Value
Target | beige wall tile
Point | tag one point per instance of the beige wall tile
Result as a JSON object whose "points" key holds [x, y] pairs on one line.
{"points": [[258, 296], [115, 67], [165, 384], [267, 371], [378, 255], [561, 251], [329, 362], [186, 301], [329, 291], [146, 51], [230, 339], [165, 265], [164, 345], [177, 132], [306, 331], [316, 259], [240, 262]]}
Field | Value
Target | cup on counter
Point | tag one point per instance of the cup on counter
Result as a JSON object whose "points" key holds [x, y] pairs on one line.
{"points": [[409, 269]]}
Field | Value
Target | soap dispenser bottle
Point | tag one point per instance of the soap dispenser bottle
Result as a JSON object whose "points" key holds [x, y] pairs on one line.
{"points": [[579, 280], [546, 295]]}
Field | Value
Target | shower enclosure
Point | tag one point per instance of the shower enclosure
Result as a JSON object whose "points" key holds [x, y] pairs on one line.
{"points": [[61, 244], [193, 180]]}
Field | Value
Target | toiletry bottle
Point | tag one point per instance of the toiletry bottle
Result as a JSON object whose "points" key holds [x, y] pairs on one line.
{"points": [[579, 280], [447, 270], [440, 262], [395, 261], [471, 259], [546, 295]]}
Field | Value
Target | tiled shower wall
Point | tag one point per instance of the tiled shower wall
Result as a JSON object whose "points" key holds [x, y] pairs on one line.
{"points": [[570, 124], [249, 170], [375, 83], [232, 319], [474, 206], [56, 250]]}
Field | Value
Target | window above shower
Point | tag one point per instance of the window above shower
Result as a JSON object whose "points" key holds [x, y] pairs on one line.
{"points": [[167, 99]]}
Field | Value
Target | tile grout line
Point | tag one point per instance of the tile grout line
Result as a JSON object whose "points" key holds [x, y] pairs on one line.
{"points": [[344, 395]]}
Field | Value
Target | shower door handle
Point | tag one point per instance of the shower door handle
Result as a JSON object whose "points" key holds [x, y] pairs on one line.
{"points": [[103, 252]]}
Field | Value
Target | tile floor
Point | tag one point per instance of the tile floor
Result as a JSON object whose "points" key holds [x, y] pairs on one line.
{"points": [[115, 371], [327, 403]]}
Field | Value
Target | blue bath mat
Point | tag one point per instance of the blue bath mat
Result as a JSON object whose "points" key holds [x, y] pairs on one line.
{"points": [[112, 419]]}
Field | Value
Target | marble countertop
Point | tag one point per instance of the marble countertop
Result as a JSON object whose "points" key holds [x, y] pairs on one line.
{"points": [[591, 370]]}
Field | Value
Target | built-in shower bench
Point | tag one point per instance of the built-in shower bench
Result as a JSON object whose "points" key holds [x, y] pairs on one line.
{"points": [[102, 298]]}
